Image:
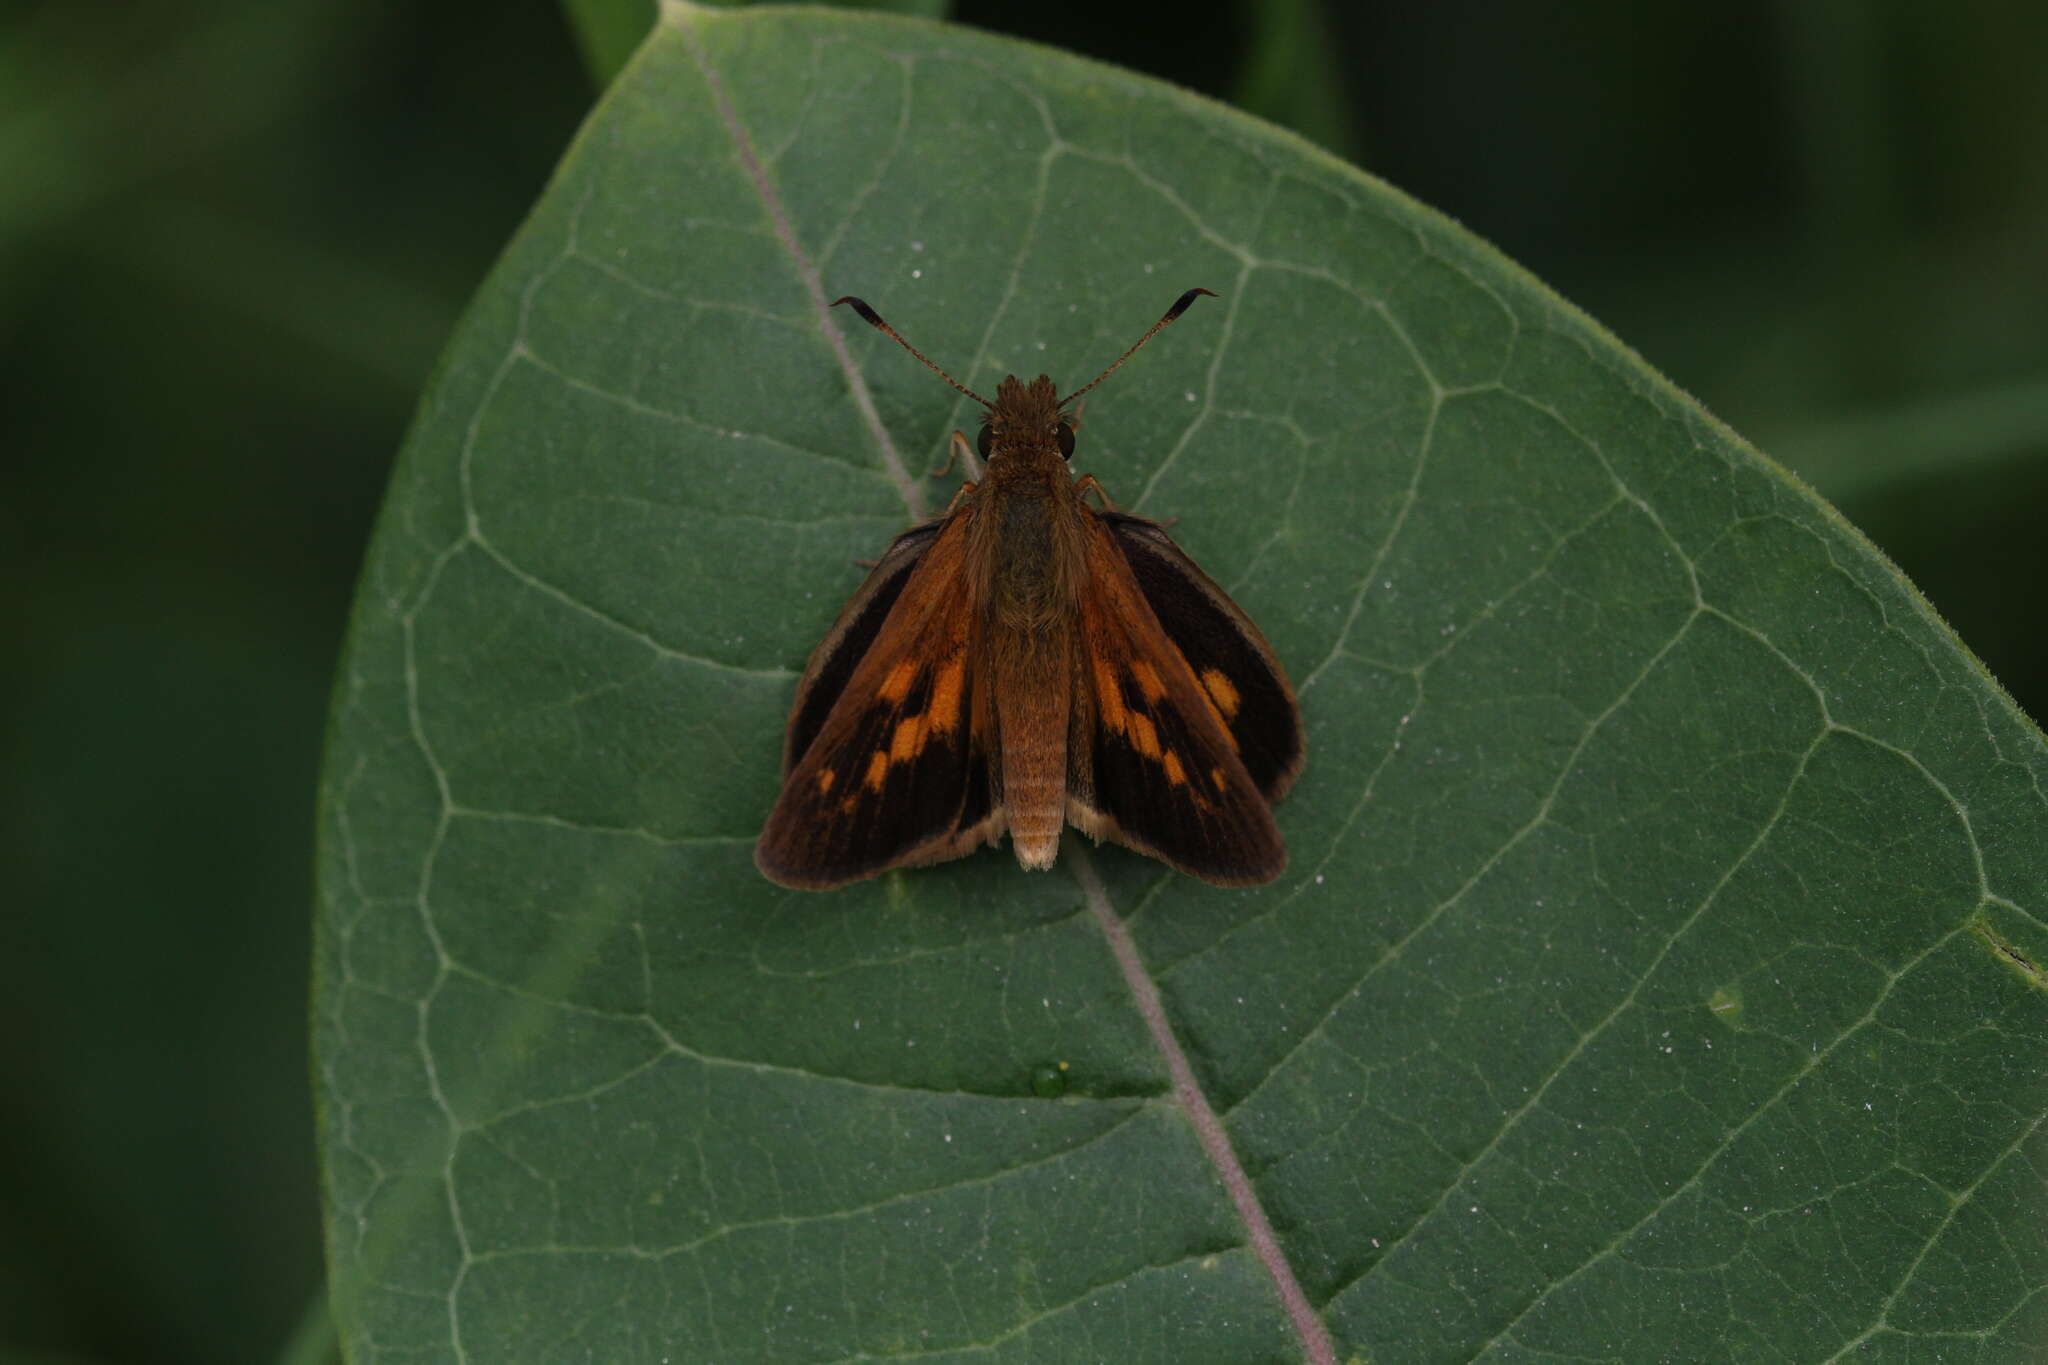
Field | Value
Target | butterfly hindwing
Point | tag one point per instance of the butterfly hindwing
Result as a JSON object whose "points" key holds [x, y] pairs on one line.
{"points": [[1224, 650], [887, 759], [1153, 760]]}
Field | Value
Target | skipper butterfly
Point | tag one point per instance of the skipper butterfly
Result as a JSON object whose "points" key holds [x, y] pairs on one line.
{"points": [[1023, 662]]}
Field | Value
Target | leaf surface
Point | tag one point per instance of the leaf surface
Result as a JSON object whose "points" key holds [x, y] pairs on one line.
{"points": [[1659, 973]]}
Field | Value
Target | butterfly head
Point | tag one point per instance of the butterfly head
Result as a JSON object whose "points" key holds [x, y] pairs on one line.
{"points": [[1024, 419]]}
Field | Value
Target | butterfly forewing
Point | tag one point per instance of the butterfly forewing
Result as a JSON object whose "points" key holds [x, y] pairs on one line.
{"points": [[1225, 651], [1153, 763], [890, 766]]}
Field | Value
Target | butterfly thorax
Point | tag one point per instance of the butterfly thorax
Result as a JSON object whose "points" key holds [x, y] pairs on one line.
{"points": [[1027, 527]]}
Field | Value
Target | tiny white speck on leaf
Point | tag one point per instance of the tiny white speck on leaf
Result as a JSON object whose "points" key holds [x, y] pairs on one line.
{"points": [[1189, 395], [917, 274], [917, 246]]}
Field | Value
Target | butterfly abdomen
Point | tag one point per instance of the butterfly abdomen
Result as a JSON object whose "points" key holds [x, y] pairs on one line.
{"points": [[1031, 623], [1031, 701]]}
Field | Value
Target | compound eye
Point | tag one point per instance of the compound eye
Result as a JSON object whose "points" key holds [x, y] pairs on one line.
{"points": [[1066, 438], [983, 441]]}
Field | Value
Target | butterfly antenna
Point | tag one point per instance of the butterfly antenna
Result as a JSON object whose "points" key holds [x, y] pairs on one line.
{"points": [[1180, 305], [874, 320]]}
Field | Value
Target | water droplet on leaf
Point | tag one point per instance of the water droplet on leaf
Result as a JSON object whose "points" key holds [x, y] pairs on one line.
{"points": [[1049, 1080]]}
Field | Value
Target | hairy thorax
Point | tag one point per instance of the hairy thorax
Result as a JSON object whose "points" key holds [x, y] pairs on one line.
{"points": [[1025, 519], [1031, 578]]}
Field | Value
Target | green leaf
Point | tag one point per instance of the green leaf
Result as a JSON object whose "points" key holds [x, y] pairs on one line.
{"points": [[1660, 972]]}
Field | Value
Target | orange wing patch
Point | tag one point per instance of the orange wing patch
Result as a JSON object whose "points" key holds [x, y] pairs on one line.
{"points": [[1133, 725], [1220, 691], [896, 684], [944, 711], [939, 716]]}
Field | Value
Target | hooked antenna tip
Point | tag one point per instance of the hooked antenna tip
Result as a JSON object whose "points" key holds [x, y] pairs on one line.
{"points": [[1180, 305], [867, 314]]}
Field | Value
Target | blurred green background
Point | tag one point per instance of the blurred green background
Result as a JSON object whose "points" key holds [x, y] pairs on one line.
{"points": [[233, 236]]}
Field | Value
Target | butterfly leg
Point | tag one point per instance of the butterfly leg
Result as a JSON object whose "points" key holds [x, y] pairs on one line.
{"points": [[960, 453], [962, 491], [1087, 484]]}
